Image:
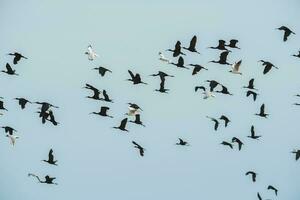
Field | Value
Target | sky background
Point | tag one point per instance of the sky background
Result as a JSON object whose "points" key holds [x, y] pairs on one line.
{"points": [[98, 162]]}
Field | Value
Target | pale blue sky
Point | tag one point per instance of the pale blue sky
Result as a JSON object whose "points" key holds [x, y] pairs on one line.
{"points": [[128, 35]]}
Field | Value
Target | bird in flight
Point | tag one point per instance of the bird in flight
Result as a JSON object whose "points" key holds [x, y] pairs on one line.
{"points": [[163, 58], [268, 66], [262, 112], [238, 141], [252, 174], [232, 44], [106, 97], [180, 63], [139, 147], [9, 70], [253, 136], [91, 53], [297, 55], [259, 197], [182, 142], [177, 50], [197, 68], [192, 47], [287, 32], [2, 105], [96, 95], [48, 179], [221, 46], [102, 112], [102, 70], [207, 94], [270, 187], [137, 120], [9, 130], [215, 121], [17, 57], [236, 67], [212, 84], [224, 90], [250, 85], [122, 125], [254, 94], [133, 109], [50, 160], [223, 59], [227, 144], [22, 102], [135, 79], [226, 120], [297, 153]]}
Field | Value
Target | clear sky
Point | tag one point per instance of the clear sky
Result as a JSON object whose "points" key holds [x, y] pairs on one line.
{"points": [[98, 162]]}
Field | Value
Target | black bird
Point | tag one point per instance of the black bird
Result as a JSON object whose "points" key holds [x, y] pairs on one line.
{"points": [[253, 175], [221, 46], [212, 84], [238, 141], [102, 70], [287, 32], [197, 68], [162, 88], [22, 102], [9, 130], [259, 197], [45, 107], [138, 120], [51, 160], [297, 55], [224, 90], [254, 94], [162, 75], [122, 126], [17, 57], [182, 142], [136, 79], [223, 59], [226, 120], [207, 94], [103, 112], [180, 63], [262, 111], [139, 147], [297, 153], [96, 94], [270, 187], [134, 106], [250, 85], [2, 106], [9, 70], [232, 44], [106, 97], [268, 66], [177, 50], [48, 179], [192, 47], [216, 122], [253, 136], [227, 144]]}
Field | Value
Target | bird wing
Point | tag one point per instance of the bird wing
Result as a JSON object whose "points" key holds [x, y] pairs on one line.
{"points": [[216, 124], [267, 69], [262, 108], [131, 74], [196, 70], [123, 123], [251, 83], [180, 61], [193, 42], [8, 67], [223, 55], [133, 142], [181, 140], [50, 156], [200, 87], [287, 33]]}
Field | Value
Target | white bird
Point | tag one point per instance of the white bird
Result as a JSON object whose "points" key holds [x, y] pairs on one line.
{"points": [[91, 53], [12, 138], [207, 93], [235, 67], [163, 58], [133, 109]]}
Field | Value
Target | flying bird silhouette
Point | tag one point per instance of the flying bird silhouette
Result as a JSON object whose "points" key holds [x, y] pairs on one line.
{"points": [[221, 46], [297, 153], [232, 44], [287, 32], [252, 174], [50, 160], [238, 141], [17, 57], [262, 112], [223, 59], [253, 136], [254, 94], [180, 63], [250, 85], [96, 95], [139, 147], [135, 79], [215, 121], [122, 125], [48, 179], [22, 102], [197, 68], [9, 70], [268, 66], [226, 120], [182, 142], [227, 144], [102, 70], [192, 47], [102, 112], [270, 187], [137, 120], [297, 55], [177, 50]]}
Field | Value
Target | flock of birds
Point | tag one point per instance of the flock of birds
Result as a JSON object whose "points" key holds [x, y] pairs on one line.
{"points": [[213, 87]]}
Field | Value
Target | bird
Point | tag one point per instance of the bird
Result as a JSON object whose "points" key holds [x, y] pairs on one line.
{"points": [[50, 160], [253, 136], [232, 44], [122, 125], [254, 94], [45, 107], [48, 179], [22, 102], [297, 55], [250, 85], [297, 153], [177, 49], [226, 120], [102, 112], [224, 90], [223, 59], [96, 95], [207, 94], [9, 130], [17, 57], [163, 58], [197, 68], [192, 47], [133, 109], [253, 175], [227, 144], [236, 67], [262, 112], [182, 142], [12, 138], [270, 187], [215, 121], [2, 106], [259, 197], [268, 66], [162, 75], [102, 70], [106, 97], [221, 46], [287, 32], [9, 70], [162, 88], [137, 120], [136, 79], [139, 147], [180, 63], [238, 141], [212, 84], [91, 53]]}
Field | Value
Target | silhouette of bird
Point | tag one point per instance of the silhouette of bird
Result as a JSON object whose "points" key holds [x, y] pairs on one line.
{"points": [[106, 97], [17, 57], [254, 94], [192, 47], [102, 70], [48, 179], [12, 138], [207, 94], [270, 187], [268, 66], [224, 90], [136, 79], [9, 130], [212, 84], [180, 63], [22, 102], [177, 49], [96, 94], [163, 58], [221, 46], [250, 85], [182, 142], [262, 112], [297, 55], [9, 70], [253, 175], [91, 53], [2, 106], [287, 32], [238, 141], [297, 153], [227, 144], [138, 120], [45, 107], [102, 112], [197, 68], [226, 120], [216, 122], [223, 59], [236, 67], [122, 125], [253, 136], [139, 147], [232, 44], [162, 75], [50, 160], [259, 197]]}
